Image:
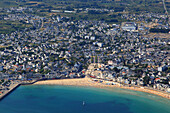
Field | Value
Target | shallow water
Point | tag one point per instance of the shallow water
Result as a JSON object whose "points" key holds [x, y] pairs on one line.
{"points": [[69, 99]]}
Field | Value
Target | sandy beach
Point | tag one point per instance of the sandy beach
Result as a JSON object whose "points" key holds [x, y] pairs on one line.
{"points": [[88, 82]]}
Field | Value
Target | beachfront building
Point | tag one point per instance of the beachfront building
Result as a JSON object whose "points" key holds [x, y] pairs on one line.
{"points": [[162, 68], [129, 26]]}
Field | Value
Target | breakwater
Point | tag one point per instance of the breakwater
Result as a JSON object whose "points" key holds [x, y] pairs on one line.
{"points": [[13, 87], [7, 92]]}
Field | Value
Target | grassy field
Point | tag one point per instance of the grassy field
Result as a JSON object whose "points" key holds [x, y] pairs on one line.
{"points": [[11, 26], [130, 5]]}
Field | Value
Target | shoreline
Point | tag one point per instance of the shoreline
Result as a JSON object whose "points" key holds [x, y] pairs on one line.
{"points": [[89, 83]]}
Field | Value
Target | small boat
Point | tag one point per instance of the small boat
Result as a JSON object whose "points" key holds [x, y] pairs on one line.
{"points": [[83, 103]]}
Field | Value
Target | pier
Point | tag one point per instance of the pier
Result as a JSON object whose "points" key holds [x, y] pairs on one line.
{"points": [[13, 86], [7, 92]]}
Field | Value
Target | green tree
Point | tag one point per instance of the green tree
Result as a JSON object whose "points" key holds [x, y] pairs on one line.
{"points": [[91, 59], [96, 59], [146, 80]]}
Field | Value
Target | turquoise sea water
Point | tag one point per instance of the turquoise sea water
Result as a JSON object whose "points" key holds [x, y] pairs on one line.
{"points": [[69, 99]]}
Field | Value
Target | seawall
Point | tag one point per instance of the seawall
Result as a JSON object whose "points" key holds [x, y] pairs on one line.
{"points": [[7, 92]]}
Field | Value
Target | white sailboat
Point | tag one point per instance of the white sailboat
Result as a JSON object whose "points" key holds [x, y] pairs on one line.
{"points": [[83, 103]]}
